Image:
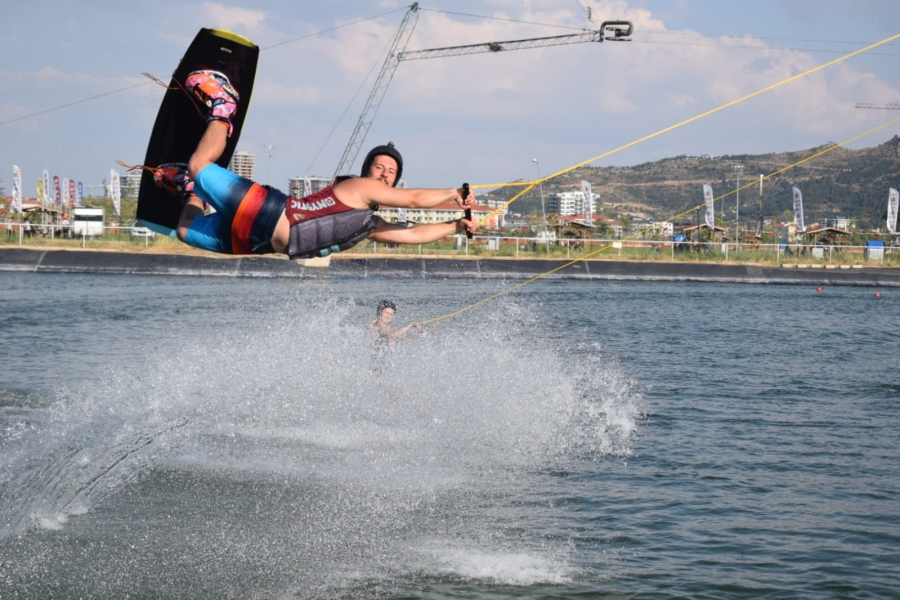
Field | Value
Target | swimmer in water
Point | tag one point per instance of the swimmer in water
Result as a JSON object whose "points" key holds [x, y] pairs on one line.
{"points": [[382, 332]]}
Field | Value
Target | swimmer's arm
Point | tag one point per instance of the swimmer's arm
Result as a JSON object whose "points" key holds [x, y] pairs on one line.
{"points": [[391, 233]]}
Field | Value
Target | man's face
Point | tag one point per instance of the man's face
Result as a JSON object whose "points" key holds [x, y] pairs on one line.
{"points": [[384, 168], [387, 315]]}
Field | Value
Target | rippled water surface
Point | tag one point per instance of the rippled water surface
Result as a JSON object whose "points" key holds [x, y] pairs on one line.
{"points": [[223, 438]]}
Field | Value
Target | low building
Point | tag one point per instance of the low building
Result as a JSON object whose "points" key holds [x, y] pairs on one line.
{"points": [[448, 211], [299, 187]]}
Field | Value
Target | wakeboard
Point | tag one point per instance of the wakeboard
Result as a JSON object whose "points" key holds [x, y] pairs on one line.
{"points": [[180, 125]]}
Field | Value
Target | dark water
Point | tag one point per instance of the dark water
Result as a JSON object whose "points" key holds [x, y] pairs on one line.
{"points": [[219, 438]]}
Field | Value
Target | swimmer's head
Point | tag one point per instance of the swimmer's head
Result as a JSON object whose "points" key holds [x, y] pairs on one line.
{"points": [[385, 304]]}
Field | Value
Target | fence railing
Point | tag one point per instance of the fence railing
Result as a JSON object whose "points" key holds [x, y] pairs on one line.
{"points": [[498, 246], [22, 234]]}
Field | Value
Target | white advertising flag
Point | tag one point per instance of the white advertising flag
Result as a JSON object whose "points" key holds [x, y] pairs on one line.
{"points": [[17, 190], [893, 200], [307, 187], [65, 191], [115, 187], [401, 215], [798, 210], [48, 192], [710, 214], [588, 202]]}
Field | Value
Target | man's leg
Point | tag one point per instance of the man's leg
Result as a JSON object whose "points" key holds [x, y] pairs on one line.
{"points": [[210, 148]]}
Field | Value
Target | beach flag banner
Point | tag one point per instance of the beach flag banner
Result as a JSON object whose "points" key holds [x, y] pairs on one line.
{"points": [[79, 195], [73, 196], [307, 186], [40, 192], [17, 190], [115, 187], [47, 195], [893, 200], [57, 192], [710, 214], [588, 202], [401, 215], [65, 191], [798, 210]]}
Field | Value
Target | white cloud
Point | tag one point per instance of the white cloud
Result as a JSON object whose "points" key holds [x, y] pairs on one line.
{"points": [[235, 19], [271, 92]]}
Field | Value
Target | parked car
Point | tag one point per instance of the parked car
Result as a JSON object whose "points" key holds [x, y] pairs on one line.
{"points": [[137, 231]]}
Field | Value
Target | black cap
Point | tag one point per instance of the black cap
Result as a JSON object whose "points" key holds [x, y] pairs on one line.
{"points": [[387, 150]]}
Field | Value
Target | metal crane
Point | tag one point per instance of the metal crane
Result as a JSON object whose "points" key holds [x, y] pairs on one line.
{"points": [[618, 31], [621, 30], [401, 38]]}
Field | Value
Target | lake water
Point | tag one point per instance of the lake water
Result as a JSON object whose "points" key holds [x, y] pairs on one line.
{"points": [[232, 438]]}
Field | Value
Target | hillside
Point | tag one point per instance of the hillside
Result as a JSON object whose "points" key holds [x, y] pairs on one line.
{"points": [[846, 183]]}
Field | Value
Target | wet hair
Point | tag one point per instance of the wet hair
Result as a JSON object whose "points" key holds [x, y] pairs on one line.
{"points": [[385, 304], [377, 151]]}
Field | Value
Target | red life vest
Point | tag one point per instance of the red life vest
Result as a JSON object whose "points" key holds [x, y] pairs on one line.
{"points": [[321, 224]]}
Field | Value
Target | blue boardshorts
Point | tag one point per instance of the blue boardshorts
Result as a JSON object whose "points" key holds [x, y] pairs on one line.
{"points": [[245, 216]]}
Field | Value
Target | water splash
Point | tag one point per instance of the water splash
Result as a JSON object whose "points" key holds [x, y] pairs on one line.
{"points": [[357, 462]]}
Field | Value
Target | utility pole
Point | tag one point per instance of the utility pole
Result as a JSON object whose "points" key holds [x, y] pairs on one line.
{"points": [[737, 207], [759, 226], [543, 210], [269, 148]]}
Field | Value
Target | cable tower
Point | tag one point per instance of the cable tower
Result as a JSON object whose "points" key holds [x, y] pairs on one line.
{"points": [[398, 45], [615, 31]]}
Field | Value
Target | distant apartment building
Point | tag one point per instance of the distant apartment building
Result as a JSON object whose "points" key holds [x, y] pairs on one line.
{"points": [[298, 186], [566, 204], [244, 164], [131, 183], [665, 229]]}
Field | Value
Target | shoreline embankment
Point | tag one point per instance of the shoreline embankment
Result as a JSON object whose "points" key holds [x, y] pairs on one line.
{"points": [[418, 267]]}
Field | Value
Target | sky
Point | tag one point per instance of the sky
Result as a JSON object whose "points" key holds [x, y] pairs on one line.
{"points": [[74, 100]]}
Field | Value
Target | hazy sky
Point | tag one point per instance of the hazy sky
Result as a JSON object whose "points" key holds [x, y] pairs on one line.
{"points": [[479, 118]]}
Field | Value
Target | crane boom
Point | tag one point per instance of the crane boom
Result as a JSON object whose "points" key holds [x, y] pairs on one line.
{"points": [[398, 45], [621, 31], [881, 106]]}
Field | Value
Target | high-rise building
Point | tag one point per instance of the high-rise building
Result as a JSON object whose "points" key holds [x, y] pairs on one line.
{"points": [[131, 183], [297, 185], [244, 164], [567, 204]]}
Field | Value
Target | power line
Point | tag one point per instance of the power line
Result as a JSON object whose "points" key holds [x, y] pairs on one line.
{"points": [[759, 48], [657, 31], [488, 18], [304, 37], [83, 100]]}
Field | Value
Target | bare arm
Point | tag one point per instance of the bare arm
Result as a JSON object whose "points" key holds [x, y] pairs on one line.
{"points": [[390, 233], [193, 208], [361, 192]]}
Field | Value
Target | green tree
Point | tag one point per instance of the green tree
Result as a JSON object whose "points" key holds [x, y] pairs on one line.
{"points": [[625, 222]]}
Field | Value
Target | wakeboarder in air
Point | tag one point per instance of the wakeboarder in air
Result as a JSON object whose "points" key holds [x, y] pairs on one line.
{"points": [[254, 219]]}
